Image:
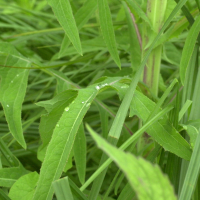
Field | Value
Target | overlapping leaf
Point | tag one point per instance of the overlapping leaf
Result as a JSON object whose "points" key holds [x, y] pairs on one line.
{"points": [[62, 142], [64, 14], [146, 179], [189, 48], [162, 131], [108, 30], [48, 122], [81, 17], [13, 88], [63, 137], [23, 188]]}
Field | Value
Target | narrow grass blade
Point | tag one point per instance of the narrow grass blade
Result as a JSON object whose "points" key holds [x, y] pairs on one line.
{"points": [[80, 153], [134, 7], [13, 88], [64, 14], [3, 195], [146, 179], [189, 48], [108, 30], [184, 109], [135, 40], [76, 191], [192, 173], [23, 188], [127, 193], [62, 189], [81, 17], [125, 145]]}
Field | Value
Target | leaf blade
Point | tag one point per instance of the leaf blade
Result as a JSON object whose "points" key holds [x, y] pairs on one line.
{"points": [[144, 178], [13, 88], [189, 48], [64, 14], [108, 30]]}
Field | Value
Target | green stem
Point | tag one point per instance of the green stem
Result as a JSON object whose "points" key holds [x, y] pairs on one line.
{"points": [[155, 13]]}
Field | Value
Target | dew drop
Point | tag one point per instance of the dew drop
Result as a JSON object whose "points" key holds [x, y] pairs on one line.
{"points": [[67, 108], [17, 74], [97, 87], [11, 81], [57, 125], [124, 86], [72, 101], [83, 102], [7, 105], [88, 104]]}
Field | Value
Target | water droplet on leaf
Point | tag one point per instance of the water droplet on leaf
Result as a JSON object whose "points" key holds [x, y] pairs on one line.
{"points": [[97, 87], [67, 108]]}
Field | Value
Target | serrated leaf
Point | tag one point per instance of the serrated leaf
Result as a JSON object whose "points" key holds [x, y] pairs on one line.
{"points": [[108, 30], [64, 14], [23, 188], [162, 131], [146, 179], [13, 88], [189, 48]]}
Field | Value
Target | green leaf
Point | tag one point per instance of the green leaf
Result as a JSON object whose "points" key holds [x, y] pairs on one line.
{"points": [[62, 141], [135, 48], [108, 30], [81, 17], [63, 137], [13, 88], [62, 189], [127, 193], [192, 132], [9, 175], [128, 142], [24, 187], [189, 48], [162, 131], [80, 153], [146, 179], [3, 195], [63, 12], [134, 7], [78, 195], [192, 173], [48, 121]]}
